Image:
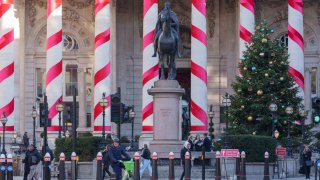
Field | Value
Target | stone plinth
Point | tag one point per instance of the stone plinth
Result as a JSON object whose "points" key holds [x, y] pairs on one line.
{"points": [[166, 127]]}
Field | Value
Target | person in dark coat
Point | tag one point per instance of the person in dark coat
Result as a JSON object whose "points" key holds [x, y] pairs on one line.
{"points": [[115, 153], [186, 148], [33, 157], [307, 163], [106, 162], [197, 142], [26, 166], [206, 143], [146, 161], [190, 140], [25, 139]]}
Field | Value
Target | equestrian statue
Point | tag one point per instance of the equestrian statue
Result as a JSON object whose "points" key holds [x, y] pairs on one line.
{"points": [[166, 40]]}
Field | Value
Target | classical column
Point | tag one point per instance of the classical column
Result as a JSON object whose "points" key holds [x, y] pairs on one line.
{"points": [[82, 99], [102, 71], [295, 43], [199, 118], [246, 24], [7, 62], [150, 69], [54, 61]]}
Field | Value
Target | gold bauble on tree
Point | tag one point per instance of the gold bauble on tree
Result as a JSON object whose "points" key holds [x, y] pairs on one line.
{"points": [[266, 74], [239, 90], [242, 106], [250, 118], [245, 68], [264, 40], [259, 92]]}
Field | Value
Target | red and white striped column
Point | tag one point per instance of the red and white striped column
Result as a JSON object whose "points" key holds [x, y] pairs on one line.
{"points": [[7, 62], [150, 69], [247, 24], [296, 43], [54, 60], [102, 70], [199, 119]]}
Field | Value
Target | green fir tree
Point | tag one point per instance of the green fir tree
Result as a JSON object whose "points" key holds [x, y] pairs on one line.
{"points": [[264, 79]]}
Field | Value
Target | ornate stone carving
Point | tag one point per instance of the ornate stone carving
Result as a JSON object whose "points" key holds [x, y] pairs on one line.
{"points": [[231, 6], [80, 4], [70, 14], [211, 17], [281, 14]]}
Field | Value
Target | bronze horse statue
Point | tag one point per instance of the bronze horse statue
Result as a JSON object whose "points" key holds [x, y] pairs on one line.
{"points": [[167, 45]]}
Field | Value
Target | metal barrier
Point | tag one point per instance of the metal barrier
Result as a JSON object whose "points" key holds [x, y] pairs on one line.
{"points": [[62, 171], [154, 166], [171, 166], [136, 166]]}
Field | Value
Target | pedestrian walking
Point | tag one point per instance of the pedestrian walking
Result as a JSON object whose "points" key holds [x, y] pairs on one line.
{"points": [[106, 162], [33, 157], [146, 160], [26, 166], [115, 153], [307, 163], [186, 148]]}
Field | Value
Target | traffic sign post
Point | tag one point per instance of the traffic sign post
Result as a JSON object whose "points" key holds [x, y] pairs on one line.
{"points": [[281, 151], [229, 153]]}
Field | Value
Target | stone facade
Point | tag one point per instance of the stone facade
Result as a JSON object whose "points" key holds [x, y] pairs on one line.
{"points": [[126, 30]]}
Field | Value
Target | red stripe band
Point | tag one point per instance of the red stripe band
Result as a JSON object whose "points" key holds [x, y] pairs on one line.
{"points": [[54, 39], [296, 4], [99, 128], [54, 128], [6, 1], [101, 4], [147, 111], [199, 128], [6, 39], [199, 113], [199, 34], [147, 128], [6, 72], [200, 5], [53, 5], [148, 39], [248, 4], [297, 77], [102, 38], [102, 74], [147, 4], [199, 72], [4, 7], [7, 128], [295, 36], [98, 109], [150, 74], [8, 109], [54, 72], [53, 110], [245, 34]]}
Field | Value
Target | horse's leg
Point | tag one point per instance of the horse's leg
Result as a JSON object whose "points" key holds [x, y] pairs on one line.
{"points": [[173, 66], [169, 67], [162, 77]]}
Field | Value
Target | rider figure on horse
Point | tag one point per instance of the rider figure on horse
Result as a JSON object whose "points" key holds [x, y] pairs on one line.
{"points": [[174, 25]]}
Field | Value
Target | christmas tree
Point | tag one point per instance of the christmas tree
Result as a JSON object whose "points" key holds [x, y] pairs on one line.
{"points": [[264, 79]]}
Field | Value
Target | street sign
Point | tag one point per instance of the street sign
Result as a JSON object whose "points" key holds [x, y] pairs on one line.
{"points": [[281, 151], [225, 153]]}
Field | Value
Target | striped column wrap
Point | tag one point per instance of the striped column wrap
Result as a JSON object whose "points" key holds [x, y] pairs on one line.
{"points": [[150, 69], [54, 60], [247, 23], [7, 62], [296, 43], [199, 119], [102, 75]]}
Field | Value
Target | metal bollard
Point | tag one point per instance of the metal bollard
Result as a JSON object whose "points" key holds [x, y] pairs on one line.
{"points": [[62, 171], [238, 159], [9, 167], [154, 166], [171, 166], [47, 159], [99, 166], [187, 166], [203, 157], [136, 166], [73, 165], [243, 166], [266, 166], [2, 167], [218, 169]]}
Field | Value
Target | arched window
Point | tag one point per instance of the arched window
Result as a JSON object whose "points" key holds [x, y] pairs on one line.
{"points": [[69, 43], [283, 40]]}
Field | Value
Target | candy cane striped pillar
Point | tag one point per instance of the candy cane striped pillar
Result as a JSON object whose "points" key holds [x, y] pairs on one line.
{"points": [[7, 62], [54, 60], [296, 44], [102, 75], [199, 119], [150, 64], [246, 24]]}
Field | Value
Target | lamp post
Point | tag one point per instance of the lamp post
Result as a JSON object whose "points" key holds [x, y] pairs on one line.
{"points": [[132, 115], [289, 111], [303, 115], [226, 102], [211, 128], [14, 138], [273, 108], [4, 120], [34, 115], [103, 103], [59, 108]]}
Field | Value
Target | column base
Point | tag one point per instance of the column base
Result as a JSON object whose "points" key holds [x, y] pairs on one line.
{"points": [[164, 147], [145, 138]]}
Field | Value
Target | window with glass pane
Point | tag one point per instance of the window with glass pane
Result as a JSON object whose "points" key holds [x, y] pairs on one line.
{"points": [[71, 79], [314, 83], [40, 82]]}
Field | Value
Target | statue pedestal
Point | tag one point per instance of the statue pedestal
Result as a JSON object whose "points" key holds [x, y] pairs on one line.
{"points": [[166, 127]]}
